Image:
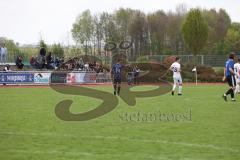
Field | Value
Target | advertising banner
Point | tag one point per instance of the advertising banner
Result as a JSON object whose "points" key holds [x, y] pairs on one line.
{"points": [[71, 77], [16, 78], [83, 77], [59, 77], [47, 77], [42, 78], [90, 77]]}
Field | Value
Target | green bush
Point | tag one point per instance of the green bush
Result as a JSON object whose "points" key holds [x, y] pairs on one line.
{"points": [[205, 74]]}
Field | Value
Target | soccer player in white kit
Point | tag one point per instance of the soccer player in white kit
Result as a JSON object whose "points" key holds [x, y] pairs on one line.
{"points": [[177, 79], [237, 75]]}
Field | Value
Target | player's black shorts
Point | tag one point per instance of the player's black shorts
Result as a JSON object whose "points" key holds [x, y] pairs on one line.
{"points": [[231, 81], [117, 80]]}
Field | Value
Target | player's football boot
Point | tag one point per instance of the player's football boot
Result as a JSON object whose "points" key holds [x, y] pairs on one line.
{"points": [[172, 93], [225, 98]]}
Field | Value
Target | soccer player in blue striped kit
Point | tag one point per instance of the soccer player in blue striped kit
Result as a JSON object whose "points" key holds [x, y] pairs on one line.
{"points": [[116, 75], [229, 75]]}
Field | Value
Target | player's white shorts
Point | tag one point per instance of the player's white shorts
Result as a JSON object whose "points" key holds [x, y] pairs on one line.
{"points": [[177, 80], [237, 79]]}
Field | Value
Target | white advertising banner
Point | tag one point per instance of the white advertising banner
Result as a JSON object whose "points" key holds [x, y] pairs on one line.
{"points": [[42, 78], [84, 77]]}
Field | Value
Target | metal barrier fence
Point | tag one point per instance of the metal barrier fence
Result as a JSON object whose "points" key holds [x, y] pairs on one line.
{"points": [[210, 60]]}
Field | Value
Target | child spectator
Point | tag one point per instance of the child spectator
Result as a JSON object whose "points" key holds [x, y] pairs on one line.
{"points": [[6, 69]]}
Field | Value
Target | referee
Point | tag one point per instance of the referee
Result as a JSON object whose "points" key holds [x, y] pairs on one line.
{"points": [[229, 76]]}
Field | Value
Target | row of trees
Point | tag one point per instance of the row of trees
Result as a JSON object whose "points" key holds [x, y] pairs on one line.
{"points": [[56, 49], [197, 31], [158, 32]]}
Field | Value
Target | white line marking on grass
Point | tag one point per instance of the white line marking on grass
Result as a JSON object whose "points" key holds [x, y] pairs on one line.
{"points": [[206, 146], [51, 152]]}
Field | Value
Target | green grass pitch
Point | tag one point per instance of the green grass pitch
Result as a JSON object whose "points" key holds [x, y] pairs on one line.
{"points": [[30, 130]]}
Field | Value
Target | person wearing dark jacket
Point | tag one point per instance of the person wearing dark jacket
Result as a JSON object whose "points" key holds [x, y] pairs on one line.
{"points": [[32, 62], [49, 60], [19, 63], [43, 52]]}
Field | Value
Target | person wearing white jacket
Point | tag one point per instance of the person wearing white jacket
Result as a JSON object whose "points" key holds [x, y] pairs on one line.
{"points": [[3, 54]]}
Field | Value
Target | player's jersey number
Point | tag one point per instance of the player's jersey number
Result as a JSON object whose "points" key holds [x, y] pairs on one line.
{"points": [[174, 69]]}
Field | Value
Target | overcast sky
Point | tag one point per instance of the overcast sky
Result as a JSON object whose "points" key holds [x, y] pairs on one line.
{"points": [[25, 20]]}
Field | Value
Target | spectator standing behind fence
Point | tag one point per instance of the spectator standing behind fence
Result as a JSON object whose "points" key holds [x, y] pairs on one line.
{"points": [[32, 62], [49, 60], [86, 66], [57, 63], [19, 62], [3, 54], [42, 58], [43, 52], [80, 64]]}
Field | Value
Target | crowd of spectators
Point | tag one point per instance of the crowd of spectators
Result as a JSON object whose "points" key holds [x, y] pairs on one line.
{"points": [[45, 61], [79, 64], [40, 62]]}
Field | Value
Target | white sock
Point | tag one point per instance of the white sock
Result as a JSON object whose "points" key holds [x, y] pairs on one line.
{"points": [[174, 86], [180, 89], [236, 89]]}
